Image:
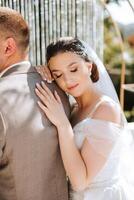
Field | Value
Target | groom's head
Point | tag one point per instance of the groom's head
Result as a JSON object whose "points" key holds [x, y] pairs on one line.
{"points": [[14, 38]]}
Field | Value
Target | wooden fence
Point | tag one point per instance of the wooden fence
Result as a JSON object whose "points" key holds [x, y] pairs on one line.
{"points": [[51, 19]]}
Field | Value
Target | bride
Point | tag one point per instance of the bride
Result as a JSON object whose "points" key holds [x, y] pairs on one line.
{"points": [[94, 142]]}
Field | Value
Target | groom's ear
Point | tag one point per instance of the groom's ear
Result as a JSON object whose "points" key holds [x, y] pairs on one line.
{"points": [[10, 46]]}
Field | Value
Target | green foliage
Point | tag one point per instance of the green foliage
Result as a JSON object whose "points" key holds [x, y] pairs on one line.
{"points": [[112, 48], [112, 51], [113, 62]]}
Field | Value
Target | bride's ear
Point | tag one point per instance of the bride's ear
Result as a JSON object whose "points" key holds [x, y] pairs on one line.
{"points": [[89, 65]]}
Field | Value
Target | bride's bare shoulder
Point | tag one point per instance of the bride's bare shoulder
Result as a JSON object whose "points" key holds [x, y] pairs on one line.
{"points": [[108, 111]]}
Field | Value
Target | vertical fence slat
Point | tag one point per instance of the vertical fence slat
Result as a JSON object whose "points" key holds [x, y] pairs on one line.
{"points": [[51, 19]]}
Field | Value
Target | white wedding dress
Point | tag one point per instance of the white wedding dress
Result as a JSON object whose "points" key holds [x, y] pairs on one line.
{"points": [[108, 140]]}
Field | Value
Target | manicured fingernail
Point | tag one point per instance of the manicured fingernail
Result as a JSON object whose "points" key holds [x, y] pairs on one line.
{"points": [[36, 90], [37, 84], [49, 81], [39, 103]]}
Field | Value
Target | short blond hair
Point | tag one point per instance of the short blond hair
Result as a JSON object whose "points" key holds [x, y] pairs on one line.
{"points": [[12, 24]]}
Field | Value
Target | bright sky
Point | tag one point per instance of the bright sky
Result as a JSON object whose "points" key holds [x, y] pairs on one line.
{"points": [[122, 13]]}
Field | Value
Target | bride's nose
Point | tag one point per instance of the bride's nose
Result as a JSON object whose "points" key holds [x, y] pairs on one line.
{"points": [[67, 79]]}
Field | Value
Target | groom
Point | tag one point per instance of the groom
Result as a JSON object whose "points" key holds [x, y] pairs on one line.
{"points": [[30, 162]]}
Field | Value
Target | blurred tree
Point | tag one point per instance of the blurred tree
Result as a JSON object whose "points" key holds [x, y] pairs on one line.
{"points": [[113, 62]]}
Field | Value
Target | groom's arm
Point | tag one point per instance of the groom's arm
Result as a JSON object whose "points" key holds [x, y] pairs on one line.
{"points": [[2, 137]]}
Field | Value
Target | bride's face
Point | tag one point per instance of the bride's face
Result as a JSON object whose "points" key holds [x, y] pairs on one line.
{"points": [[71, 73]]}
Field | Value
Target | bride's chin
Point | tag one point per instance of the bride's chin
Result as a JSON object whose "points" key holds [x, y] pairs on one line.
{"points": [[75, 95]]}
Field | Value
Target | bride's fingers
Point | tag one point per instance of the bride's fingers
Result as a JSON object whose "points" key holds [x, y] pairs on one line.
{"points": [[57, 96], [45, 91], [47, 71], [48, 91], [41, 90], [41, 71], [42, 106], [44, 99]]}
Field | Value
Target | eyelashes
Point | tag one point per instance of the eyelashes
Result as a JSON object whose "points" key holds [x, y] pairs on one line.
{"points": [[74, 70], [58, 76]]}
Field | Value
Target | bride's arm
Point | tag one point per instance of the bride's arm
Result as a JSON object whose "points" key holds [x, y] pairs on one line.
{"points": [[81, 166], [73, 161]]}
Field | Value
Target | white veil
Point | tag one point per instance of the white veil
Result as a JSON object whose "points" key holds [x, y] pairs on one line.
{"points": [[105, 86], [104, 78]]}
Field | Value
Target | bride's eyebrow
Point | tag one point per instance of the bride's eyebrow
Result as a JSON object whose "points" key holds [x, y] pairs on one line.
{"points": [[70, 64]]}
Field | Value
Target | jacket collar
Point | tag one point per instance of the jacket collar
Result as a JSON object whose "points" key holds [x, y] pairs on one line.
{"points": [[18, 68]]}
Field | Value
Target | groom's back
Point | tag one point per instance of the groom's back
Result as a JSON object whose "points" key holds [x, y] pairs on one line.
{"points": [[30, 166]]}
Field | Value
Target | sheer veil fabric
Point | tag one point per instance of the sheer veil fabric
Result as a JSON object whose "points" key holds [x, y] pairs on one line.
{"points": [[105, 86], [112, 134]]}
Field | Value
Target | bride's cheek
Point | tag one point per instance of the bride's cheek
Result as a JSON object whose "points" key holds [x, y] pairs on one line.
{"points": [[59, 83]]}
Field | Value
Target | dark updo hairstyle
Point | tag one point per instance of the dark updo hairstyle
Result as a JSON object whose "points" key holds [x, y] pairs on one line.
{"points": [[74, 45]]}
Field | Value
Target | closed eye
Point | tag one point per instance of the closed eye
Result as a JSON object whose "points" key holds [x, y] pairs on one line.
{"points": [[74, 70], [57, 76]]}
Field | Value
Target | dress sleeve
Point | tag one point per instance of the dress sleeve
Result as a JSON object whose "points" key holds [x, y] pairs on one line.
{"points": [[103, 136]]}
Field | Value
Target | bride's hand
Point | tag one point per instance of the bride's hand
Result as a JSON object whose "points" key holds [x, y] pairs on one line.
{"points": [[51, 105], [45, 73]]}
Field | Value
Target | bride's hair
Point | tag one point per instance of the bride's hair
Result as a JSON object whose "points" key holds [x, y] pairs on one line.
{"points": [[74, 45]]}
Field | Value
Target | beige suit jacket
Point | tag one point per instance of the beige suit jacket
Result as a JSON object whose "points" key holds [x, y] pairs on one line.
{"points": [[30, 162]]}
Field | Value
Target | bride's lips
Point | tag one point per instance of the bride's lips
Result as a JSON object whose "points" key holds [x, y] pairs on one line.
{"points": [[73, 86]]}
